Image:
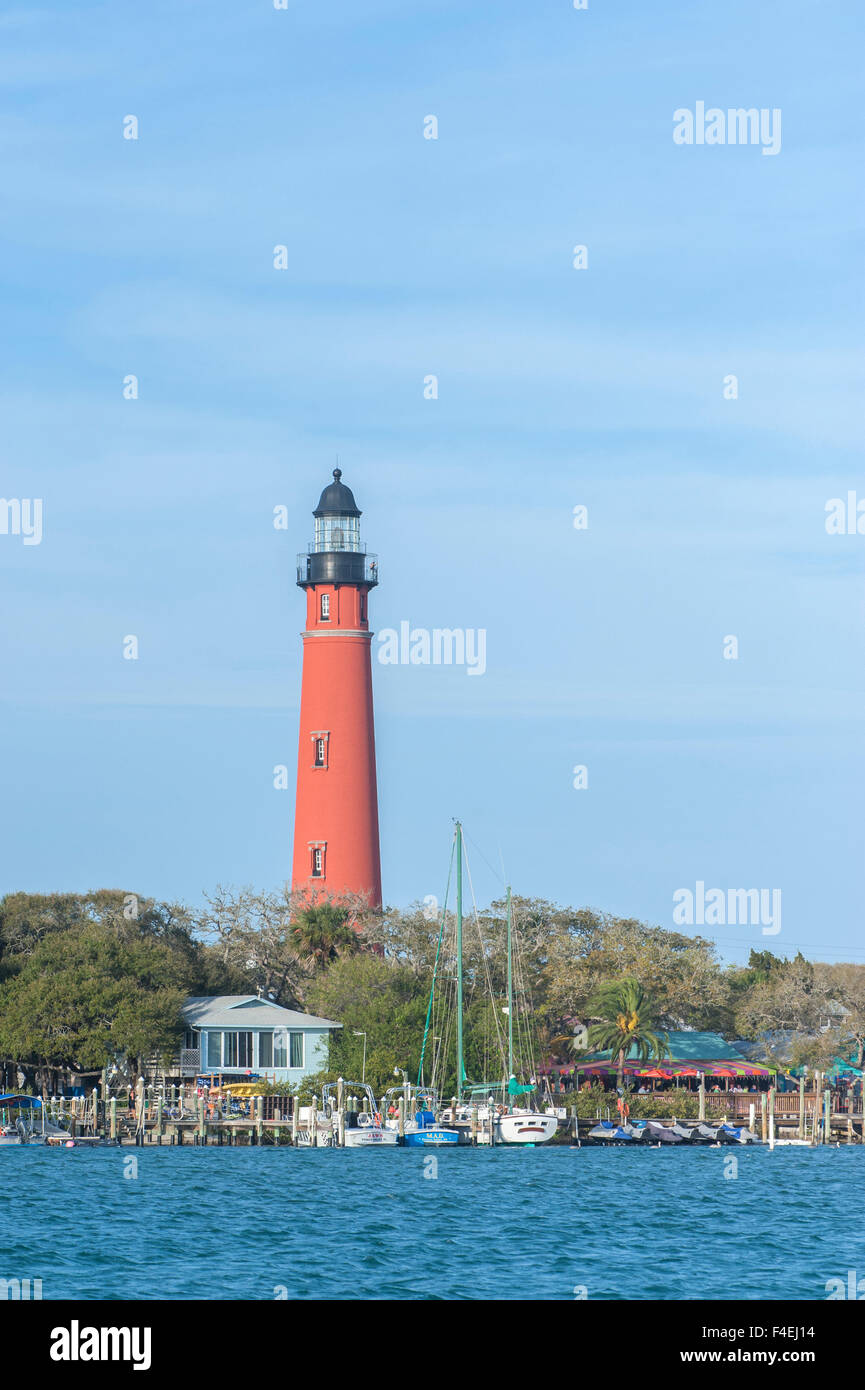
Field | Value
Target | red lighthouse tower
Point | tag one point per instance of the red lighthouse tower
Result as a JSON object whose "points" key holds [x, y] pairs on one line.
{"points": [[336, 847]]}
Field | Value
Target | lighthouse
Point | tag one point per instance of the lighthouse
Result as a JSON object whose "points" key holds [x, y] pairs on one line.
{"points": [[336, 847]]}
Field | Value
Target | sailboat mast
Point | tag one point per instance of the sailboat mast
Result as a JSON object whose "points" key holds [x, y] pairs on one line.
{"points": [[510, 995], [460, 1065]]}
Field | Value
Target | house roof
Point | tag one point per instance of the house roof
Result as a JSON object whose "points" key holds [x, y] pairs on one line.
{"points": [[688, 1046], [246, 1011]]}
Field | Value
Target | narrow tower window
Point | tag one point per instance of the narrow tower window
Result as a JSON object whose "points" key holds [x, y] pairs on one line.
{"points": [[320, 740], [363, 608], [325, 608], [318, 863]]}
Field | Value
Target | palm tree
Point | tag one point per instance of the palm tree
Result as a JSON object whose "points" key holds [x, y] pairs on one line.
{"points": [[321, 932], [627, 1017]]}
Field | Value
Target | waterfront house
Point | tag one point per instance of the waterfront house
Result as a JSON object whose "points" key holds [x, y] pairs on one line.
{"points": [[241, 1035]]}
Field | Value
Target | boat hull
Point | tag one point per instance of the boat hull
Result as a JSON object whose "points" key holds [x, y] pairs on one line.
{"points": [[430, 1138], [525, 1129], [370, 1138]]}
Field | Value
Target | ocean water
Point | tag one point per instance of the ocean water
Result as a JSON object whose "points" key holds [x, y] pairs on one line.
{"points": [[475, 1224]]}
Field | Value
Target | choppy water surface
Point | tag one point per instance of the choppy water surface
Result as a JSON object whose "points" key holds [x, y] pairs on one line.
{"points": [[508, 1223]]}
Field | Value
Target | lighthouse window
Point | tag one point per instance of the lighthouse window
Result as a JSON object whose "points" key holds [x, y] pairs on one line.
{"points": [[317, 863], [325, 607], [319, 752], [337, 533], [362, 608]]}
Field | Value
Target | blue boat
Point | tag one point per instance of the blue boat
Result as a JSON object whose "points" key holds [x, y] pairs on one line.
{"points": [[423, 1132]]}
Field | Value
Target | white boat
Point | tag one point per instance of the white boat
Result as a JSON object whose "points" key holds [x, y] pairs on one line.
{"points": [[511, 1125], [362, 1129], [525, 1127], [22, 1120], [365, 1132]]}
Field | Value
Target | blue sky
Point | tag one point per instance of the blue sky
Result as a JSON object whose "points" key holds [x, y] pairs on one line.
{"points": [[557, 387]]}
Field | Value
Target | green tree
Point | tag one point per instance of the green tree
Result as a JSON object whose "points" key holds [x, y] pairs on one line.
{"points": [[682, 973], [85, 996], [626, 1021], [369, 994], [322, 932]]}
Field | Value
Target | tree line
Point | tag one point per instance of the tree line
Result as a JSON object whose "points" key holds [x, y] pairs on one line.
{"points": [[88, 978]]}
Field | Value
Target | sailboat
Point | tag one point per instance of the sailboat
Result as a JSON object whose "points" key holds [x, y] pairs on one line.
{"points": [[486, 1112]]}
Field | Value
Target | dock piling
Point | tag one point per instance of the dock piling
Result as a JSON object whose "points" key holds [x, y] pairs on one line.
{"points": [[802, 1106]]}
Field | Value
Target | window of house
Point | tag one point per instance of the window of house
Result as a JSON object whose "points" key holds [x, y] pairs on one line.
{"points": [[295, 1049], [280, 1047], [214, 1050], [237, 1049], [265, 1049], [325, 607]]}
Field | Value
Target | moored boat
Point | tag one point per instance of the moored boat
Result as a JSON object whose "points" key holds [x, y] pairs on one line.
{"points": [[488, 1112], [22, 1120], [361, 1129], [421, 1129]]}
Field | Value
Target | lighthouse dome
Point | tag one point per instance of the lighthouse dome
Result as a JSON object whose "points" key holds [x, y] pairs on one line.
{"points": [[337, 499]]}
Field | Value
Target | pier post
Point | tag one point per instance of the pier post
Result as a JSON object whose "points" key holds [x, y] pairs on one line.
{"points": [[474, 1124], [139, 1108], [827, 1117], [764, 1127], [112, 1110], [159, 1120], [313, 1125], [815, 1119], [401, 1122], [259, 1118], [771, 1117], [802, 1106], [752, 1110], [295, 1108], [202, 1121]]}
